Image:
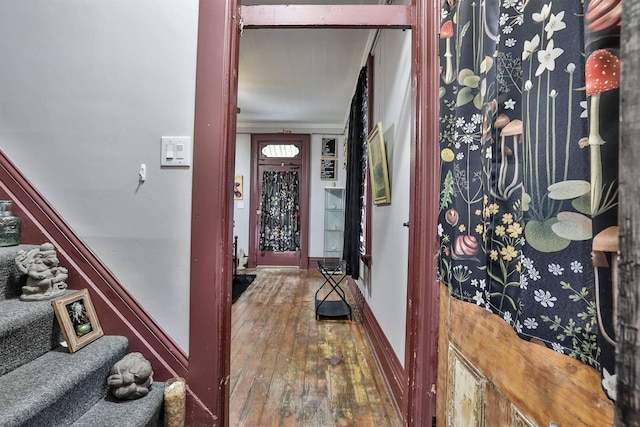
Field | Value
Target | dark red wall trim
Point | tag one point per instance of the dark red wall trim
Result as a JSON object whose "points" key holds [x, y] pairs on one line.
{"points": [[212, 212], [326, 16], [421, 355], [389, 364], [118, 311]]}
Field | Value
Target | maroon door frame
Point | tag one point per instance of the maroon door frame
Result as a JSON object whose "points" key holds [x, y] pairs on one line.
{"points": [[302, 141], [212, 207], [212, 213], [423, 293]]}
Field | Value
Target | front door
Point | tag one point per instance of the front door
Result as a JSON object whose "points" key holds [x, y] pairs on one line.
{"points": [[279, 225]]}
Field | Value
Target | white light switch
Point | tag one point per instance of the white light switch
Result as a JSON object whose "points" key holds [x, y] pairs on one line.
{"points": [[175, 151]]}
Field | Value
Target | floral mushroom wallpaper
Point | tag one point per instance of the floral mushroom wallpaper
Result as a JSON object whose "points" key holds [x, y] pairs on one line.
{"points": [[529, 95]]}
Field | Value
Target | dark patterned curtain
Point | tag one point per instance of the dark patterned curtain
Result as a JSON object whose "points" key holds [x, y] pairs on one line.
{"points": [[527, 181], [356, 173], [280, 221]]}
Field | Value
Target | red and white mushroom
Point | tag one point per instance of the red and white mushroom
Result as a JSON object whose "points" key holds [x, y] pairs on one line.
{"points": [[602, 74], [446, 32]]}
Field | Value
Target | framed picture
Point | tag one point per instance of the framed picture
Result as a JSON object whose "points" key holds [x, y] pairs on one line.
{"points": [[77, 319], [329, 147], [381, 191], [237, 187], [345, 153], [328, 170]]}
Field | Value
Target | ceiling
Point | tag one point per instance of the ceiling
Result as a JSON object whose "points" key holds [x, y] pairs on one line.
{"points": [[299, 80]]}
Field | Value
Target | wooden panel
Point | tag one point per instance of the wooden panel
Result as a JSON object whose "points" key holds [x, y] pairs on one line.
{"points": [[498, 407], [519, 420], [544, 385], [465, 392], [443, 356]]}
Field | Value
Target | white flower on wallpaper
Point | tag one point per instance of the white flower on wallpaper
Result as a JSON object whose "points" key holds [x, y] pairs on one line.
{"points": [[544, 298], [555, 269], [609, 383], [530, 323], [555, 24], [544, 13], [547, 58], [576, 267], [530, 46], [509, 104]]}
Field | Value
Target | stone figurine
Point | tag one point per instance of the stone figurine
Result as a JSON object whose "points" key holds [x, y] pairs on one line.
{"points": [[45, 279], [131, 377]]}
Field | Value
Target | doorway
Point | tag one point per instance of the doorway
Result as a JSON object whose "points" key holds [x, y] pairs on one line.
{"points": [[278, 226], [214, 136]]}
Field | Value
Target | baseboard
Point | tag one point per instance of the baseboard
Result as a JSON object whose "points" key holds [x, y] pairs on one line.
{"points": [[388, 362]]}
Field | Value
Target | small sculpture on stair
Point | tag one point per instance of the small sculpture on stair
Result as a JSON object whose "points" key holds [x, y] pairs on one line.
{"points": [[131, 377], [45, 279]]}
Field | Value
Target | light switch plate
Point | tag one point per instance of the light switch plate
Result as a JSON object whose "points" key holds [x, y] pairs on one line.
{"points": [[168, 153]]}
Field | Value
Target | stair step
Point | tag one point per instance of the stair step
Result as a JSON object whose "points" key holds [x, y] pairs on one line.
{"points": [[27, 331], [59, 387], [144, 412], [11, 280]]}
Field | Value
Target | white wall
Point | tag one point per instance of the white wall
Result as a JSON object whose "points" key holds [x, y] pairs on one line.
{"points": [[316, 191], [385, 285], [241, 207], [87, 89]]}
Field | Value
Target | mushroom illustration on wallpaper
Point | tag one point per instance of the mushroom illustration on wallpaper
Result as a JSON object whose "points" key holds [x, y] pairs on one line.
{"points": [[446, 32], [603, 14], [504, 190], [602, 74]]}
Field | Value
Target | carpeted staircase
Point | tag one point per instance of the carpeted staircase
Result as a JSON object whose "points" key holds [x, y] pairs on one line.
{"points": [[42, 384]]}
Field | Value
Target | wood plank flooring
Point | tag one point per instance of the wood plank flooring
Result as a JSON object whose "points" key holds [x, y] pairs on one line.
{"points": [[288, 369]]}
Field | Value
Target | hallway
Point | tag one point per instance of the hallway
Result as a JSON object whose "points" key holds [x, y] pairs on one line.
{"points": [[287, 369]]}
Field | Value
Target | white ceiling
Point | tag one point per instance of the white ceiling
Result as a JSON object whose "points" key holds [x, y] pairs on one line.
{"points": [[300, 80]]}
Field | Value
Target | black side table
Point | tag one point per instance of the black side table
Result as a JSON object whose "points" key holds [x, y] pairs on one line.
{"points": [[334, 272]]}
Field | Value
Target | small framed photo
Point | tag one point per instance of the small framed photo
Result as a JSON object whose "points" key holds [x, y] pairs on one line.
{"points": [[237, 188], [77, 318], [329, 147], [328, 170]]}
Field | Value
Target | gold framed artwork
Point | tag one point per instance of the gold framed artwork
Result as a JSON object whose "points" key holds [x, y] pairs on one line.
{"points": [[237, 188], [77, 319], [378, 170]]}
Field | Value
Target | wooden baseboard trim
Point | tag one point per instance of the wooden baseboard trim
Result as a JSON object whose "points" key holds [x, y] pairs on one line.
{"points": [[390, 366]]}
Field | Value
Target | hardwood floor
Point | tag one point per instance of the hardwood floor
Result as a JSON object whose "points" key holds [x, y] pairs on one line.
{"points": [[287, 369]]}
